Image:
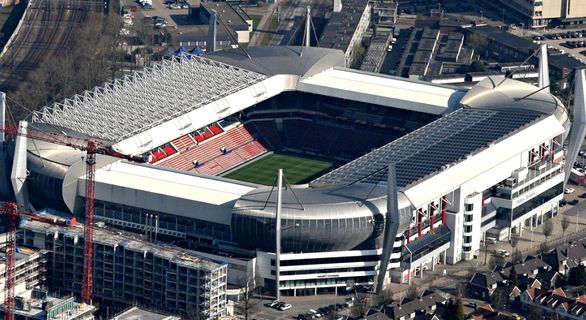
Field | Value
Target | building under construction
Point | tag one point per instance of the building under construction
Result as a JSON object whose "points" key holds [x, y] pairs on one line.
{"points": [[29, 270], [33, 302], [129, 271]]}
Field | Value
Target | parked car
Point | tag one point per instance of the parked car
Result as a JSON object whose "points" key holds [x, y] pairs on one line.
{"points": [[563, 202], [501, 252], [569, 190], [274, 303], [174, 6], [574, 202], [490, 240], [315, 313], [583, 195], [284, 306]]}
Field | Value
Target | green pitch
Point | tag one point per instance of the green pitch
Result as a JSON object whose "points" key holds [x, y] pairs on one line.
{"points": [[264, 171]]}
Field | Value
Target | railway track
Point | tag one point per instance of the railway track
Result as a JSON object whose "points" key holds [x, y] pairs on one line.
{"points": [[47, 29]]}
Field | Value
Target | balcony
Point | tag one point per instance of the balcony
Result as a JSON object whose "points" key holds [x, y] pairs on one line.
{"points": [[537, 175], [425, 245]]}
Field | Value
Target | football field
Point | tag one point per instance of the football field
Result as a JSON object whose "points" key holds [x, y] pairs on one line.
{"points": [[264, 171]]}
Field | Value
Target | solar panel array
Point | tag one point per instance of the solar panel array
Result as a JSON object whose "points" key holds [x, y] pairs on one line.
{"points": [[147, 98], [424, 151]]}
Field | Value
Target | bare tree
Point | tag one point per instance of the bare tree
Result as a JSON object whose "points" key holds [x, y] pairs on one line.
{"points": [[543, 247], [517, 256], [383, 298], [547, 229], [247, 303], [496, 261], [565, 224], [412, 292], [514, 242], [360, 308], [535, 312], [499, 299]]}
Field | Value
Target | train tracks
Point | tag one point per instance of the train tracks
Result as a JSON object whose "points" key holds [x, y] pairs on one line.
{"points": [[48, 27]]}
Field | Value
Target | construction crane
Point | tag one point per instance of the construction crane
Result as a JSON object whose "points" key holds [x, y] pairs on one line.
{"points": [[91, 147], [12, 214]]}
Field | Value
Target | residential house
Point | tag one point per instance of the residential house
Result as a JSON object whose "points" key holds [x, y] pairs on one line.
{"points": [[423, 307], [486, 312], [483, 285], [566, 257], [555, 303]]}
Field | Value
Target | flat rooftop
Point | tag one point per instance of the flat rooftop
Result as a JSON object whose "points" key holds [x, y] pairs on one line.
{"points": [[129, 241], [63, 309], [22, 255], [425, 151]]}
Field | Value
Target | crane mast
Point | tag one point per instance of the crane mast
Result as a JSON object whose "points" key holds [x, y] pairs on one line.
{"points": [[88, 226], [11, 211]]}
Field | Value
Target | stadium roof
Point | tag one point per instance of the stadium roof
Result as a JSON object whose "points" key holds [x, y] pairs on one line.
{"points": [[273, 60], [384, 90], [429, 149], [147, 98]]}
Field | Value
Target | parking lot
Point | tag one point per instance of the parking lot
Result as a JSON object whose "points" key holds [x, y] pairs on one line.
{"points": [[572, 42], [174, 17]]}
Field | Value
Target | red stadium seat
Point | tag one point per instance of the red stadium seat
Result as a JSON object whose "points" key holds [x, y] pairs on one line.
{"points": [[169, 150], [198, 138], [207, 134], [216, 129]]}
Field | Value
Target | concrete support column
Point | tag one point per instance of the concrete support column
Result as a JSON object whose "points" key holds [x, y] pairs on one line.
{"points": [[433, 263], [520, 229]]}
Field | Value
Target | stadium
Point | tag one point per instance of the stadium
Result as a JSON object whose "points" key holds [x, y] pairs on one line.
{"points": [[384, 177]]}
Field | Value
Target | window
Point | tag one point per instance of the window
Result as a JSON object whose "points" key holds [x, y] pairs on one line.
{"points": [[469, 206], [467, 229], [468, 217]]}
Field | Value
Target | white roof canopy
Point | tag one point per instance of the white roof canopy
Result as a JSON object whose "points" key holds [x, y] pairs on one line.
{"points": [[140, 101]]}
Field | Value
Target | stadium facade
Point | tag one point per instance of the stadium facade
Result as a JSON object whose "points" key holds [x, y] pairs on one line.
{"points": [[452, 166]]}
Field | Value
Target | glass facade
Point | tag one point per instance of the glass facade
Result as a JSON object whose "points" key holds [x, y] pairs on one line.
{"points": [[538, 201]]}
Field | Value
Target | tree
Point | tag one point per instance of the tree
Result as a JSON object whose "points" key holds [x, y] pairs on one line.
{"points": [[513, 278], [383, 298], [248, 287], [454, 310], [360, 308], [333, 314], [499, 298], [460, 315], [547, 229], [577, 276], [514, 242], [496, 261], [517, 256], [412, 292], [543, 247], [565, 224], [535, 312], [476, 66], [479, 43]]}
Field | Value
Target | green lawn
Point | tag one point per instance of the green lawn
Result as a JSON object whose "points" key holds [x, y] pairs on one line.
{"points": [[263, 171]]}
